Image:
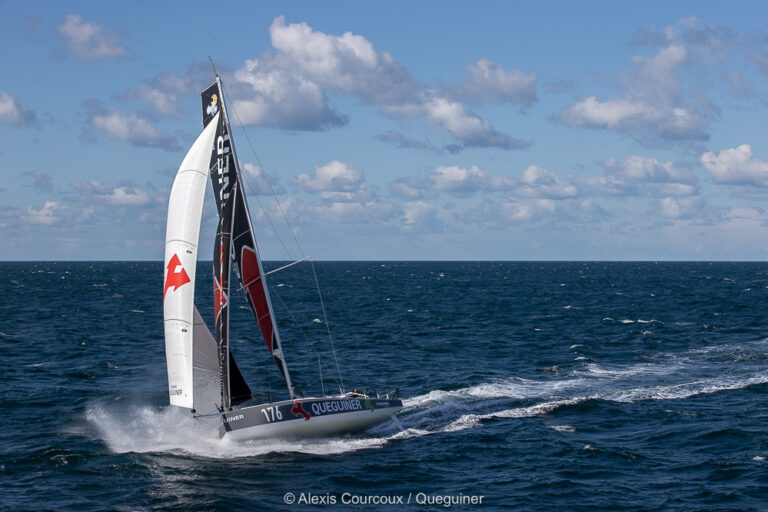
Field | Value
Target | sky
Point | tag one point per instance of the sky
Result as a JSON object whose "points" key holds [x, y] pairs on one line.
{"points": [[393, 131]]}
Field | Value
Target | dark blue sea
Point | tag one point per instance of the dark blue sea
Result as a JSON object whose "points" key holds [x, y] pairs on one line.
{"points": [[534, 385]]}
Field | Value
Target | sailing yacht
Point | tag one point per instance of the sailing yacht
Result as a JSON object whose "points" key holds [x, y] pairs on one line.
{"points": [[203, 376]]}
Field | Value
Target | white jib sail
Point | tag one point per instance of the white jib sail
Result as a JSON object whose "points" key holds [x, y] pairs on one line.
{"points": [[183, 229], [206, 376]]}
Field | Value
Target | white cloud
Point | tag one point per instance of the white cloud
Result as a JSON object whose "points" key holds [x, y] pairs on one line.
{"points": [[89, 41], [466, 126], [350, 212], [348, 63], [638, 175], [271, 93], [123, 196], [539, 182], [460, 181], [288, 88], [655, 107], [48, 215], [528, 211], [736, 167], [490, 82], [335, 176], [408, 188], [678, 190], [14, 112], [420, 217], [131, 128], [649, 170], [97, 192], [681, 208], [603, 114], [638, 117], [258, 182]]}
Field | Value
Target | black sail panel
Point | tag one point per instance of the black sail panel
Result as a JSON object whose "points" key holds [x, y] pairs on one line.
{"points": [[224, 180], [247, 266], [235, 222], [238, 389]]}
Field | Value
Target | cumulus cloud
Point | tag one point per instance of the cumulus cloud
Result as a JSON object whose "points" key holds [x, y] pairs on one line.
{"points": [[515, 210], [539, 182], [289, 87], [279, 97], [98, 192], [681, 208], [258, 182], [351, 212], [536, 182], [466, 126], [736, 166], [54, 213], [655, 108], [89, 41], [489, 82], [462, 182], [162, 93], [45, 215], [420, 217], [637, 175], [348, 63], [15, 113], [408, 188], [335, 176], [127, 127], [649, 170], [343, 197]]}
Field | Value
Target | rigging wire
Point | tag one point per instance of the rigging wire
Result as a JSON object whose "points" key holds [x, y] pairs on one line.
{"points": [[295, 321], [290, 229]]}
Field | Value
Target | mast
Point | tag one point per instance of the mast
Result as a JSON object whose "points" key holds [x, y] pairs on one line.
{"points": [[222, 179], [244, 251]]}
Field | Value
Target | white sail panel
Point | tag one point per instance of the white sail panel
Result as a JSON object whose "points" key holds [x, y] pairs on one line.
{"points": [[183, 229]]}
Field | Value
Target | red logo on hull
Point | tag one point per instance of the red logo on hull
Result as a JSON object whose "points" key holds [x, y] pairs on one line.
{"points": [[298, 410], [176, 277]]}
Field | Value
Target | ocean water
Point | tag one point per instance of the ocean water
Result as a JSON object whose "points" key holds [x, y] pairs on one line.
{"points": [[538, 386]]}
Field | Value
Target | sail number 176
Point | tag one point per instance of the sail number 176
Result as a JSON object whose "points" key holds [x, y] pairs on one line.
{"points": [[272, 413]]}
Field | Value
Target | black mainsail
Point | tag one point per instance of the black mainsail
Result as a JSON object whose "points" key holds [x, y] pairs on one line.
{"points": [[235, 243], [223, 172]]}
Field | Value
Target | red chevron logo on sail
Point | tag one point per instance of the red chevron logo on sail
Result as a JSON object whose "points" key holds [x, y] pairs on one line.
{"points": [[176, 276]]}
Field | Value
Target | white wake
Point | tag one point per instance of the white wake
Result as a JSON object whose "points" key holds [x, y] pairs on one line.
{"points": [[150, 429]]}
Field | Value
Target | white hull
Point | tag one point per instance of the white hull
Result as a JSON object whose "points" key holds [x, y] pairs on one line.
{"points": [[318, 417]]}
